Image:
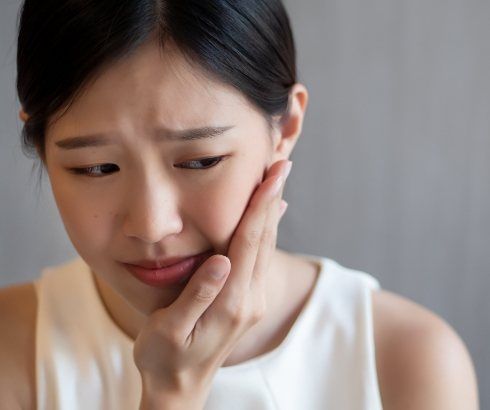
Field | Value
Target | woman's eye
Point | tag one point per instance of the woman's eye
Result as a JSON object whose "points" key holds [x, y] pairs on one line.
{"points": [[202, 163], [102, 170], [96, 171]]}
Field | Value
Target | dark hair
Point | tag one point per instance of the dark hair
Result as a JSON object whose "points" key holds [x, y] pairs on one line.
{"points": [[64, 44]]}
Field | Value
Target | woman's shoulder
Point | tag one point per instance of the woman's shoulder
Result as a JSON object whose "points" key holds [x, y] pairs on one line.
{"points": [[421, 361], [18, 307]]}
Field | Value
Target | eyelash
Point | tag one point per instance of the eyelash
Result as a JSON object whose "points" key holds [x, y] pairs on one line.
{"points": [[87, 171]]}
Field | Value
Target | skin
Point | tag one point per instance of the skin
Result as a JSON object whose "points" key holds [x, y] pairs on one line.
{"points": [[149, 207], [156, 209]]}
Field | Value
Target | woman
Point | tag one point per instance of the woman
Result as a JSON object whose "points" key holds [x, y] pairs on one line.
{"points": [[165, 127]]}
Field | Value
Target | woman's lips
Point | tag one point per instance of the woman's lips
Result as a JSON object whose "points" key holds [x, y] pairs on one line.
{"points": [[170, 275]]}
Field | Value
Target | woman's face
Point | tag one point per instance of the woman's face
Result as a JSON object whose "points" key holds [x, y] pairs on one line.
{"points": [[145, 202]]}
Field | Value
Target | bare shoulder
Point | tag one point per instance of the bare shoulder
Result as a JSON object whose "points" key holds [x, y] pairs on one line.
{"points": [[18, 307], [421, 361]]}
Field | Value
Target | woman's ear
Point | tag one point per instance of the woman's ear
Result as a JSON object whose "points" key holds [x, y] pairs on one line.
{"points": [[289, 127], [22, 115]]}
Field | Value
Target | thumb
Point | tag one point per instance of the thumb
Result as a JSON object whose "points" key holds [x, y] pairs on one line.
{"points": [[201, 291]]}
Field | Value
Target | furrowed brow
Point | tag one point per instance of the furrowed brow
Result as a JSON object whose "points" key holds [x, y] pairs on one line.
{"points": [[162, 134]]}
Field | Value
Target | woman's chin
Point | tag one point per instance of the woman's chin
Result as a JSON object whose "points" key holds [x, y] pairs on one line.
{"points": [[150, 304]]}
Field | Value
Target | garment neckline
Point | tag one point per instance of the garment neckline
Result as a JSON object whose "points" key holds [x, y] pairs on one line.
{"points": [[320, 280], [322, 277]]}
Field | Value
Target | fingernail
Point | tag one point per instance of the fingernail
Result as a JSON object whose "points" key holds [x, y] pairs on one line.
{"points": [[217, 270], [287, 169], [218, 273], [282, 208]]}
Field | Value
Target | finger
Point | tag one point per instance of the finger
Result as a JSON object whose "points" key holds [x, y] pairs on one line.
{"points": [[229, 300], [269, 238], [245, 242], [199, 294]]}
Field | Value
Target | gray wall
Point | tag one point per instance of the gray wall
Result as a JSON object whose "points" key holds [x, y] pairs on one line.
{"points": [[391, 173]]}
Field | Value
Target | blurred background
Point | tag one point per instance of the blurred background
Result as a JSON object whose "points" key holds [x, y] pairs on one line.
{"points": [[390, 175]]}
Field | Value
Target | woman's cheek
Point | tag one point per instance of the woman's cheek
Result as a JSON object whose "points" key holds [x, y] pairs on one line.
{"points": [[85, 223], [223, 207]]}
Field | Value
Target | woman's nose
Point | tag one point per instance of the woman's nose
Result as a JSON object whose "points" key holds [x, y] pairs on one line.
{"points": [[152, 212]]}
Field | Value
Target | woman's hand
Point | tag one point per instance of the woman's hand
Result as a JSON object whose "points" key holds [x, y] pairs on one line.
{"points": [[181, 347]]}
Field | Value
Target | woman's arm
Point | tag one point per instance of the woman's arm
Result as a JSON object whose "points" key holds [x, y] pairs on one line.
{"points": [[18, 305], [422, 363]]}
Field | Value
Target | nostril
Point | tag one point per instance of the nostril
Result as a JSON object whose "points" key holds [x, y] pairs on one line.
{"points": [[151, 228]]}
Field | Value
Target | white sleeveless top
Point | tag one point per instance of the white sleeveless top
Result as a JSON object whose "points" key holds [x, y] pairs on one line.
{"points": [[327, 360]]}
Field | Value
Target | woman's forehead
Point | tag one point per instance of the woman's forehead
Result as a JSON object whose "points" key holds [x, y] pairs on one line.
{"points": [[155, 87]]}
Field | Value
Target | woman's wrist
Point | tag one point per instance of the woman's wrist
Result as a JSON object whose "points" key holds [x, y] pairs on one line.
{"points": [[156, 397], [163, 401], [168, 401]]}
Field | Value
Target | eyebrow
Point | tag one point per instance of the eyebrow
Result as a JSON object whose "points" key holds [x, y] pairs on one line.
{"points": [[162, 134]]}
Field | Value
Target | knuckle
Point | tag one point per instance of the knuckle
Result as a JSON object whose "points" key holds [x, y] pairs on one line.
{"points": [[204, 293], [268, 235], [237, 314], [251, 239], [258, 312], [170, 334], [240, 315], [173, 339], [256, 316]]}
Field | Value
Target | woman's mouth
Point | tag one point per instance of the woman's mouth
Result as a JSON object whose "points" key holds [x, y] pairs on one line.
{"points": [[173, 274]]}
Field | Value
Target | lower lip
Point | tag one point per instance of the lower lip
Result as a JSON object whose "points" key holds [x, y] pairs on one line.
{"points": [[170, 275]]}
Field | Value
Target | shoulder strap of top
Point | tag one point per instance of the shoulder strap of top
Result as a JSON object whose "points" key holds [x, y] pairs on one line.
{"points": [[332, 353]]}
